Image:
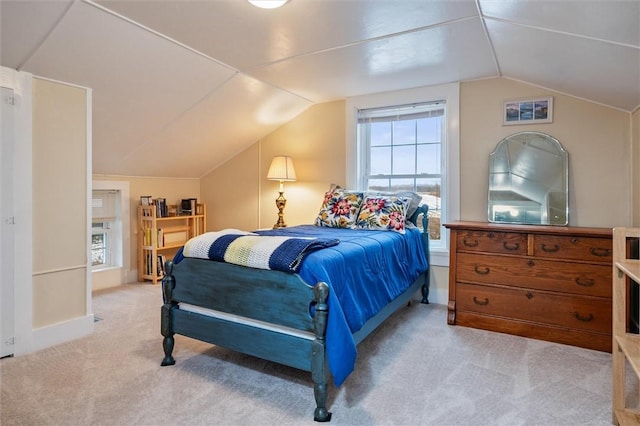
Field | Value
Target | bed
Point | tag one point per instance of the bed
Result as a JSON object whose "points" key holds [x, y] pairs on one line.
{"points": [[310, 317]]}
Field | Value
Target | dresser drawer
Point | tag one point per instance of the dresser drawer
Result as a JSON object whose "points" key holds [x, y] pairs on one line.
{"points": [[573, 247], [564, 277], [494, 242], [580, 313]]}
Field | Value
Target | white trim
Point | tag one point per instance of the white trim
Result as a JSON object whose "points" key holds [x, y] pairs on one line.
{"points": [[451, 94], [62, 332], [23, 185], [439, 257], [28, 339], [63, 269], [89, 159]]}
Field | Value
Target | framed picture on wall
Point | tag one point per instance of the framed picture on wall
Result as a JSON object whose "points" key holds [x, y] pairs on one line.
{"points": [[527, 111]]}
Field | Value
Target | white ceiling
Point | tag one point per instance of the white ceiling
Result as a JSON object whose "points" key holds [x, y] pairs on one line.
{"points": [[180, 86]]}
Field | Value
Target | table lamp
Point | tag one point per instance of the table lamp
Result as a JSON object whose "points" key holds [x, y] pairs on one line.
{"points": [[282, 170]]}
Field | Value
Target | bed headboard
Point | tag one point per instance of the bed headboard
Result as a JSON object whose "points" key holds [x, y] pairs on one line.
{"points": [[424, 219]]}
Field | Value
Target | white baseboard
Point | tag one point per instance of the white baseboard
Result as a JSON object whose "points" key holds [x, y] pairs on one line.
{"points": [[61, 332]]}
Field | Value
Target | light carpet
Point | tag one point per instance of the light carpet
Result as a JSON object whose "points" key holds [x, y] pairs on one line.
{"points": [[414, 370]]}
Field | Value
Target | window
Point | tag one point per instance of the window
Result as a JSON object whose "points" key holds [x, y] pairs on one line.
{"points": [[106, 230], [100, 253], [409, 140], [401, 150]]}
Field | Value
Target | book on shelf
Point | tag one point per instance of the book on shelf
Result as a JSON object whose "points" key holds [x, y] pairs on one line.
{"points": [[147, 239], [162, 209], [161, 261], [149, 266]]}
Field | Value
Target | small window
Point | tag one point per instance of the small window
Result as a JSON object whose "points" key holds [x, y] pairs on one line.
{"points": [[106, 230]]}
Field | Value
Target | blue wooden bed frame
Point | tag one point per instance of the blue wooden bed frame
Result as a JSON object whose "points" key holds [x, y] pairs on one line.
{"points": [[286, 301]]}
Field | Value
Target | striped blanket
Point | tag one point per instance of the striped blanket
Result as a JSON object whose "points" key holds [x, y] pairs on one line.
{"points": [[253, 250]]}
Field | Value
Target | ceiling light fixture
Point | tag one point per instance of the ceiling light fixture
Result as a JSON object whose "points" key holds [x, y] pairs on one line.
{"points": [[268, 4]]}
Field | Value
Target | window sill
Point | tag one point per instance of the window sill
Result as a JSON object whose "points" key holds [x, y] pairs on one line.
{"points": [[105, 268], [439, 258]]}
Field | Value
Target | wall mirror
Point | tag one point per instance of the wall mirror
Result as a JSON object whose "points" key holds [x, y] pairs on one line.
{"points": [[529, 180]]}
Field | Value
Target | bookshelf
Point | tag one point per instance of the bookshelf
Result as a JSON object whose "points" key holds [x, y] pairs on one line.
{"points": [[626, 345], [159, 237]]}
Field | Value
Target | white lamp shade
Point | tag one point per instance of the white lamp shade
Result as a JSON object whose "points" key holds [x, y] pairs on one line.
{"points": [[281, 169]]}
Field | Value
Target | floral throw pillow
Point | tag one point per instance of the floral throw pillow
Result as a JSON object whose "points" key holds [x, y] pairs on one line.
{"points": [[383, 212], [339, 209]]}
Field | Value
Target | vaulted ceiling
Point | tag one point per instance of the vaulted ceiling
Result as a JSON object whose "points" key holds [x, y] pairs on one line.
{"points": [[180, 86]]}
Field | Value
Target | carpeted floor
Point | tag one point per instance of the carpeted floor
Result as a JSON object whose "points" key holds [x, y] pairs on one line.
{"points": [[414, 370]]}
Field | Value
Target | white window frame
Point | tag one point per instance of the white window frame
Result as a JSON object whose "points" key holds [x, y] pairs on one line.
{"points": [[450, 191], [112, 227]]}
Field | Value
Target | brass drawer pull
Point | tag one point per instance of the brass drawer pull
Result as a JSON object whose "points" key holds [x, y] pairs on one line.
{"points": [[553, 249], [597, 251], [474, 243], [484, 271], [480, 302], [586, 318], [585, 282], [514, 247]]}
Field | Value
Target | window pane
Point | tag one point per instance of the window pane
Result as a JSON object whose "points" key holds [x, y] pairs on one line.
{"points": [[378, 185], [430, 130], [402, 185], [98, 249], [429, 159], [404, 160], [380, 134], [380, 161], [404, 132]]}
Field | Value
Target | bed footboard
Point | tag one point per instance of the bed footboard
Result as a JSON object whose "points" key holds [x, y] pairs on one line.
{"points": [[272, 315], [166, 323], [298, 340], [319, 368]]}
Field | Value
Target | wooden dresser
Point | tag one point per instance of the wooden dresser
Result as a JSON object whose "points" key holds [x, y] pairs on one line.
{"points": [[545, 282]]}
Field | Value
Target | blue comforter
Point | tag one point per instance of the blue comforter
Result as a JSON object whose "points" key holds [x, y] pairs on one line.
{"points": [[365, 271]]}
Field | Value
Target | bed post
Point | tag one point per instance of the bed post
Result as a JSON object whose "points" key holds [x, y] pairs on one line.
{"points": [[166, 322], [424, 210], [318, 358]]}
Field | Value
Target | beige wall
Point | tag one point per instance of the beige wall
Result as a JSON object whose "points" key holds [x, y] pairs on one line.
{"points": [[635, 166], [59, 203], [238, 195], [173, 189], [596, 137], [231, 192], [315, 141]]}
